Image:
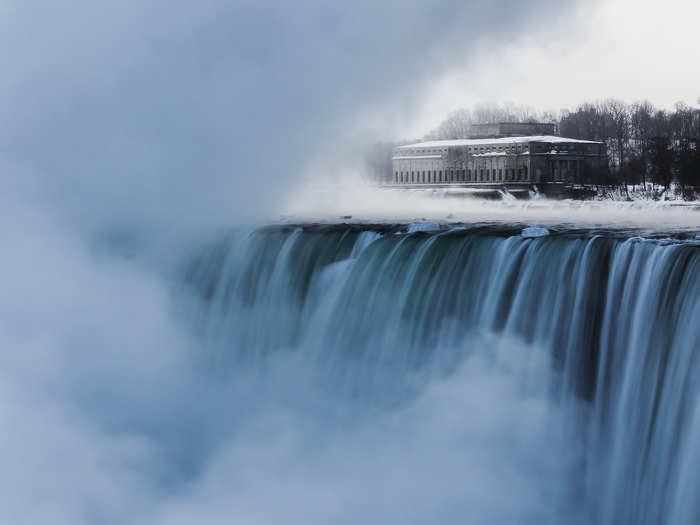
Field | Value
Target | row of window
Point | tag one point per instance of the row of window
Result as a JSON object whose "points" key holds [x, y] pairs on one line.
{"points": [[473, 149], [423, 151], [484, 175], [512, 148]]}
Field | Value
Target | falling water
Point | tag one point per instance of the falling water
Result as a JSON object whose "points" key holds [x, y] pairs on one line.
{"points": [[595, 336]]}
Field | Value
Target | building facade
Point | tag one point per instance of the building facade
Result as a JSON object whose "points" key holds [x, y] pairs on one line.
{"points": [[509, 160]]}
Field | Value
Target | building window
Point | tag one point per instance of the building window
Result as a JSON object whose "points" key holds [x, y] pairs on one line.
{"points": [[440, 173], [500, 174]]}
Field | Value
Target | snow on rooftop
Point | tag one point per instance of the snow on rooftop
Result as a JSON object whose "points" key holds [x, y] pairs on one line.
{"points": [[502, 140]]}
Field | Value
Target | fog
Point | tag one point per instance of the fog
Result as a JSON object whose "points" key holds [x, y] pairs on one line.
{"points": [[113, 413], [170, 116], [128, 132]]}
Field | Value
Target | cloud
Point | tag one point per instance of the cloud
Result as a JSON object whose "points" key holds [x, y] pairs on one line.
{"points": [[627, 49]]}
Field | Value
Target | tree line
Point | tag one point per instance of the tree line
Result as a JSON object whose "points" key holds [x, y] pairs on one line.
{"points": [[646, 144]]}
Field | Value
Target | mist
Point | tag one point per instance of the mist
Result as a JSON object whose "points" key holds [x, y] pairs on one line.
{"points": [[130, 133], [180, 116]]}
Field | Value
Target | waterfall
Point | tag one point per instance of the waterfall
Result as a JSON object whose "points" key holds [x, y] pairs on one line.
{"points": [[382, 313]]}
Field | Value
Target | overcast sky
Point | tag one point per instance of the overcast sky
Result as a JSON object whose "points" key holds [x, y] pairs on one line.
{"points": [[628, 49]]}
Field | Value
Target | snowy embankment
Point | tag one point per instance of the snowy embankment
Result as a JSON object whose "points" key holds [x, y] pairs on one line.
{"points": [[358, 204], [646, 192]]}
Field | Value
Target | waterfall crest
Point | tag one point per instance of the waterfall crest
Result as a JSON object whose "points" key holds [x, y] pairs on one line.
{"points": [[382, 313]]}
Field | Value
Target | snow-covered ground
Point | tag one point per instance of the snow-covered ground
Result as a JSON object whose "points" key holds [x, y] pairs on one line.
{"points": [[348, 203], [644, 192]]}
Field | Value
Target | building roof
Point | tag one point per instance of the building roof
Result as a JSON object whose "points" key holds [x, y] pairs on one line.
{"points": [[503, 140], [414, 157]]}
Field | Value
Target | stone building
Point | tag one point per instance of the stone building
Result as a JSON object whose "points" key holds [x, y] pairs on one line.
{"points": [[503, 158]]}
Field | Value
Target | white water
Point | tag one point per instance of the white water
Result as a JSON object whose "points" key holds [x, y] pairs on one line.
{"points": [[465, 376]]}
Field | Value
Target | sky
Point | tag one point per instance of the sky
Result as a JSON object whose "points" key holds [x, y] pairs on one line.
{"points": [[626, 49]]}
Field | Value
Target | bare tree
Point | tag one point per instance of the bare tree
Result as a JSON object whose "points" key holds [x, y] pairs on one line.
{"points": [[644, 142], [617, 119], [456, 126], [641, 126]]}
